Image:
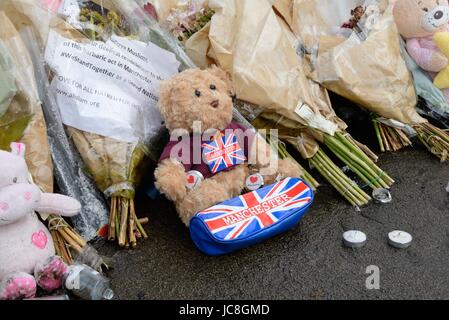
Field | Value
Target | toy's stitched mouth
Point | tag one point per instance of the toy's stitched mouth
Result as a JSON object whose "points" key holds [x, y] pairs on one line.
{"points": [[215, 104], [4, 220]]}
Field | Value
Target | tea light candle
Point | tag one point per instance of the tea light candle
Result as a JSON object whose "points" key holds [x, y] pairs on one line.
{"points": [[400, 239], [354, 238]]}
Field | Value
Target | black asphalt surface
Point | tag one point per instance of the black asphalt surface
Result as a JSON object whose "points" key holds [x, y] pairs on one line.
{"points": [[310, 261]]}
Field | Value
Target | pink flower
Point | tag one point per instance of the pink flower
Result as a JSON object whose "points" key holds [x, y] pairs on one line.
{"points": [[150, 10], [52, 5]]}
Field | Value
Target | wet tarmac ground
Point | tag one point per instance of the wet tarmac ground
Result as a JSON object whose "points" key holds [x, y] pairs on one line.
{"points": [[310, 261]]}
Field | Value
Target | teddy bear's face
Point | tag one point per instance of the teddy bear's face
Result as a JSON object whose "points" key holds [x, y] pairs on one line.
{"points": [[196, 96], [14, 169], [421, 18]]}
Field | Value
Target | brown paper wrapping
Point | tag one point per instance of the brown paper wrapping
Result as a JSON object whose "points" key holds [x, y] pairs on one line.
{"points": [[198, 48], [256, 46], [251, 42], [371, 73], [112, 163], [38, 155], [115, 165], [302, 138]]}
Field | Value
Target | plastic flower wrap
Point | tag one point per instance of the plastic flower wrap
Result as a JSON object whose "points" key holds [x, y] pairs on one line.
{"points": [[108, 85], [45, 139], [69, 170], [353, 64], [7, 83], [255, 45], [22, 118], [105, 82], [188, 17]]}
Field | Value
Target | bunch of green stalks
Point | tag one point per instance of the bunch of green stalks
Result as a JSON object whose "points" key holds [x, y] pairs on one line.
{"points": [[435, 139], [390, 138], [358, 161], [356, 156], [284, 154], [339, 180]]}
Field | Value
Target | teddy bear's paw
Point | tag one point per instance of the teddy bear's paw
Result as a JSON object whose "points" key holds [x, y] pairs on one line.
{"points": [[232, 181], [171, 180], [19, 285], [287, 168], [208, 194], [50, 274]]}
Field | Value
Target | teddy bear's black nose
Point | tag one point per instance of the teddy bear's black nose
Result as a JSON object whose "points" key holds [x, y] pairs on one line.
{"points": [[215, 104], [438, 15]]}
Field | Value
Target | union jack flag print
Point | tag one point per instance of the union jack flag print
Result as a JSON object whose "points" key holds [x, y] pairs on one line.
{"points": [[223, 152], [246, 215]]}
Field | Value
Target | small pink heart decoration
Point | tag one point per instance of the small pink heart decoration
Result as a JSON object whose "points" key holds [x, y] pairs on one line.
{"points": [[27, 196], [190, 179], [253, 179], [39, 239], [4, 206]]}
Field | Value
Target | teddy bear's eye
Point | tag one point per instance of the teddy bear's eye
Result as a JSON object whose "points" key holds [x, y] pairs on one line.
{"points": [[425, 9], [14, 180], [198, 93], [213, 87]]}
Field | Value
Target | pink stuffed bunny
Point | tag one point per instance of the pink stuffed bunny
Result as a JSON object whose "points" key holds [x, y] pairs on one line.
{"points": [[26, 246]]}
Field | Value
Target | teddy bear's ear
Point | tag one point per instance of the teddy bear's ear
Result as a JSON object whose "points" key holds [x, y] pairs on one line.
{"points": [[18, 149], [223, 75], [165, 95], [220, 73]]}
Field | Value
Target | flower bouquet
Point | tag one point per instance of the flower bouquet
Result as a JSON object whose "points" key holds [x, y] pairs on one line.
{"points": [[188, 18], [105, 83], [351, 63], [115, 150], [22, 118], [250, 41]]}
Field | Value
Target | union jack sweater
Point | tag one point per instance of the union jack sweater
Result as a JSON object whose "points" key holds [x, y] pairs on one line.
{"points": [[194, 160]]}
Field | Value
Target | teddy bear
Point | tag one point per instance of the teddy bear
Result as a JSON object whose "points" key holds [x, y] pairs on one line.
{"points": [[26, 246], [197, 106], [418, 21]]}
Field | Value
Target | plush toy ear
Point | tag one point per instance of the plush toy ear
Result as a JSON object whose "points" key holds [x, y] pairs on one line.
{"points": [[165, 93], [223, 75], [18, 149]]}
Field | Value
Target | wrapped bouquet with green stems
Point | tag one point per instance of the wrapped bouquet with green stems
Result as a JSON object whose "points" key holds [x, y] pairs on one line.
{"points": [[381, 79], [117, 166], [97, 63], [357, 157], [16, 108], [7, 83], [328, 169]]}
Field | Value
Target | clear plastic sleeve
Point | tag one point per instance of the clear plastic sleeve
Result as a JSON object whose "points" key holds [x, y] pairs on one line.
{"points": [[361, 61], [68, 165]]}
